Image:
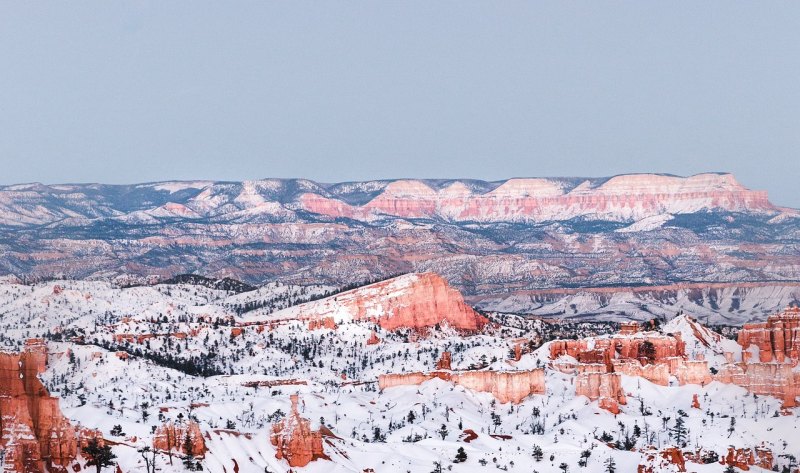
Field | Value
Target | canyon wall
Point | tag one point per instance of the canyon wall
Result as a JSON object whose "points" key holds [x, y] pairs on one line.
{"points": [[505, 386], [603, 387], [419, 301], [33, 431], [777, 339], [175, 437]]}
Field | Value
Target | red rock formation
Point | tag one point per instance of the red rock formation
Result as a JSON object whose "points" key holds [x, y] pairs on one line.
{"points": [[744, 458], [647, 355], [604, 387], [777, 339], [628, 328], [655, 373], [505, 386], [325, 322], [695, 402], [295, 441], [772, 379], [657, 461], [415, 301], [543, 199], [373, 339], [36, 436], [172, 437], [236, 332], [692, 372], [444, 361], [634, 347]]}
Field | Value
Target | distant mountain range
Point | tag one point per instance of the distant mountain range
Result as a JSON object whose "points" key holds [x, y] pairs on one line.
{"points": [[496, 241]]}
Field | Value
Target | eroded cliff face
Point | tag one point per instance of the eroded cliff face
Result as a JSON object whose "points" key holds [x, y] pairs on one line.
{"points": [[415, 301], [176, 437], [295, 441], [744, 458], [777, 342], [603, 387], [34, 433], [777, 339], [771, 379], [627, 196], [644, 347], [505, 386]]}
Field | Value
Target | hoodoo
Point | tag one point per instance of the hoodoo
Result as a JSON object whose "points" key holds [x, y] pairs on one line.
{"points": [[295, 441], [777, 339], [34, 433]]}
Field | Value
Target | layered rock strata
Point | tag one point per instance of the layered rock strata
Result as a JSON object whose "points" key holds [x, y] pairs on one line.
{"points": [[295, 441], [505, 386], [175, 437], [33, 431], [603, 387], [777, 339], [413, 301]]}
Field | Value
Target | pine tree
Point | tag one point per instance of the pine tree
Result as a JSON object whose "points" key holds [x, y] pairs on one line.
{"points": [[99, 456], [537, 453], [679, 432], [461, 455], [611, 465]]}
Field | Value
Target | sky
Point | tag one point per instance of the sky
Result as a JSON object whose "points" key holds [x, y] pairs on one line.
{"points": [[139, 91]]}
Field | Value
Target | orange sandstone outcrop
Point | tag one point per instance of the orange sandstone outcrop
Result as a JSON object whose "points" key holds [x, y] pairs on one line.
{"points": [[695, 402], [373, 339], [777, 339], [603, 387], [744, 458], [325, 322], [415, 301], [505, 386], [444, 361], [643, 347], [172, 437], [295, 441], [34, 433], [772, 379], [657, 461], [628, 328]]}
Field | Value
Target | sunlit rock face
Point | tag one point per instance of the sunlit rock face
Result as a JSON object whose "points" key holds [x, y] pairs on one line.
{"points": [[772, 379], [505, 386], [174, 437], [777, 339], [668, 459], [603, 387], [35, 434], [744, 458], [413, 301], [634, 196], [644, 347], [295, 441]]}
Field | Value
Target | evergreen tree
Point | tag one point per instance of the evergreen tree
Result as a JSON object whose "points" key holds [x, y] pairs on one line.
{"points": [[611, 465], [537, 453], [99, 456], [461, 455], [679, 432]]}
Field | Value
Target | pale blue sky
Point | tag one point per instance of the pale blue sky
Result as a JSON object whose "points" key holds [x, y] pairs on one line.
{"points": [[135, 91]]}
